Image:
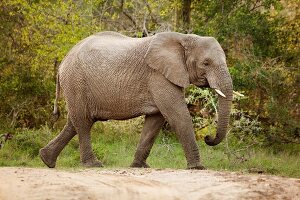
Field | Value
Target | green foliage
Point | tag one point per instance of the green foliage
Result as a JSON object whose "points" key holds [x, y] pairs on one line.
{"points": [[242, 125], [261, 43], [35, 38]]}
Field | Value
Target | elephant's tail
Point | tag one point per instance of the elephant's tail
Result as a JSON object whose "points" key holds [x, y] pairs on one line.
{"points": [[56, 113]]}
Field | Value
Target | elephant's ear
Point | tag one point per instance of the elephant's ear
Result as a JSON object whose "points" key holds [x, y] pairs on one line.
{"points": [[166, 55]]}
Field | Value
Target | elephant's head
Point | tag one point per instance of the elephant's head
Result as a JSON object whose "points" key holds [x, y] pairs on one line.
{"points": [[185, 59]]}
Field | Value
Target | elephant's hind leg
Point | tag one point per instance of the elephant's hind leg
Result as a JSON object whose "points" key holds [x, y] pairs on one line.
{"points": [[51, 151], [153, 124], [87, 157]]}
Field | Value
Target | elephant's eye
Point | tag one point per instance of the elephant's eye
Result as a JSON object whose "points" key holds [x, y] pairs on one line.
{"points": [[206, 62]]}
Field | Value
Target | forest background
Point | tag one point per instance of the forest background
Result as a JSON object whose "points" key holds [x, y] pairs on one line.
{"points": [[260, 39]]}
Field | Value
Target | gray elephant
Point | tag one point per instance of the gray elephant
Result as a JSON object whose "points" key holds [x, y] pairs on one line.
{"points": [[112, 76]]}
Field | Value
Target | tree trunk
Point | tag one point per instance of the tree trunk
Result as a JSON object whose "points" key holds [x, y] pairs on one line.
{"points": [[186, 14]]}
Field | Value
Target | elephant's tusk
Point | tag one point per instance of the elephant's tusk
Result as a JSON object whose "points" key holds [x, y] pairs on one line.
{"points": [[238, 94], [220, 93]]}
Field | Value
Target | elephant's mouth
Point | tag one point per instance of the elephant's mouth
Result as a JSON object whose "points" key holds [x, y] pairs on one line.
{"points": [[202, 83], [205, 84]]}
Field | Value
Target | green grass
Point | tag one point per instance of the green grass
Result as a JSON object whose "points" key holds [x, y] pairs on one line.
{"points": [[115, 142]]}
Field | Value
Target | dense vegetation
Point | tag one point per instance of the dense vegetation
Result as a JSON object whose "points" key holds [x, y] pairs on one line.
{"points": [[260, 39]]}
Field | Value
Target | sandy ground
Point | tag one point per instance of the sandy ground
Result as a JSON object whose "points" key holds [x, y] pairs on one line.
{"points": [[131, 184]]}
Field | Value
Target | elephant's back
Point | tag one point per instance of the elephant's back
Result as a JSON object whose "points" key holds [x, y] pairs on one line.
{"points": [[107, 51], [106, 43], [111, 45]]}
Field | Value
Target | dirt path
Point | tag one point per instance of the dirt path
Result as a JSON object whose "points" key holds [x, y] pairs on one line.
{"points": [[131, 184]]}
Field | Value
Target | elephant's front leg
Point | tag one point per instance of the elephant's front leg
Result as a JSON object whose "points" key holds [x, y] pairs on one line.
{"points": [[153, 124], [170, 100]]}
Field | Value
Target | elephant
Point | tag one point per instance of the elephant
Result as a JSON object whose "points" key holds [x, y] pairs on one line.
{"points": [[109, 76]]}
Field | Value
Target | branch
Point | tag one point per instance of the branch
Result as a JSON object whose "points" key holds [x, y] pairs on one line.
{"points": [[145, 31], [126, 14], [154, 20], [255, 6], [129, 17]]}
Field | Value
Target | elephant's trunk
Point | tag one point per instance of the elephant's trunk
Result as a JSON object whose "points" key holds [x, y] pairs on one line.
{"points": [[222, 81]]}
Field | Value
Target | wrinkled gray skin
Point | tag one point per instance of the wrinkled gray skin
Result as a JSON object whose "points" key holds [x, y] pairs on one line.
{"points": [[111, 76]]}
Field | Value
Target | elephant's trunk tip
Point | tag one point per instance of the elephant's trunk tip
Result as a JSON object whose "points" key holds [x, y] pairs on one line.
{"points": [[211, 141]]}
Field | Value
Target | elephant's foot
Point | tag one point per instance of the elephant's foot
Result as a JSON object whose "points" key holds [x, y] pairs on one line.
{"points": [[197, 166], [92, 163], [47, 157], [136, 164]]}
